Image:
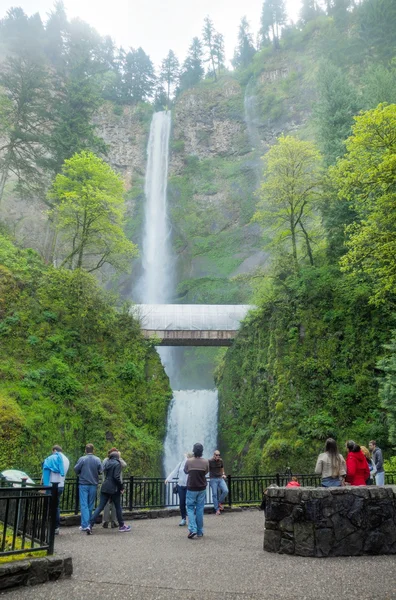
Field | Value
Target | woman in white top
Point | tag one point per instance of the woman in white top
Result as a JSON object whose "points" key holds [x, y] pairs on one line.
{"points": [[331, 465], [181, 477]]}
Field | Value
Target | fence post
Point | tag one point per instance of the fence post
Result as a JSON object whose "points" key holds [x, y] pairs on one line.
{"points": [[278, 479], [77, 497], [130, 506], [229, 491], [52, 517]]}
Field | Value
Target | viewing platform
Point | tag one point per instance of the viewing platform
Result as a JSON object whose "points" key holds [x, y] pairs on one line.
{"points": [[191, 324]]}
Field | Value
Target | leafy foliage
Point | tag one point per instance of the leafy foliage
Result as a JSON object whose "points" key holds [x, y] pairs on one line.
{"points": [[74, 369], [89, 213]]}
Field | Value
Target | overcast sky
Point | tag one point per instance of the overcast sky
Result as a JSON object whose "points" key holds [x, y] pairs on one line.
{"points": [[157, 25]]}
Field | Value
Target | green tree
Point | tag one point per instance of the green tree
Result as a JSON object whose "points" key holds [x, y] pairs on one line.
{"points": [[169, 73], [310, 10], [209, 39], [219, 51], [273, 17], [89, 214], [138, 78], [379, 85], [387, 392], [292, 178], [366, 179], [192, 70], [24, 100], [77, 96], [376, 23], [337, 104], [23, 35], [56, 31], [245, 50]]}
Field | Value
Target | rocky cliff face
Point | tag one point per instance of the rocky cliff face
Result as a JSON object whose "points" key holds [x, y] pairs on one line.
{"points": [[214, 172]]}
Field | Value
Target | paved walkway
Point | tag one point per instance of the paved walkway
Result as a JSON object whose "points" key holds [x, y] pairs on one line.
{"points": [[156, 561]]}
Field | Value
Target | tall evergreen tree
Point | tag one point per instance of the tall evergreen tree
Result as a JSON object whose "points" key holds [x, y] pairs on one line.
{"points": [[169, 73], [138, 79], [273, 16], [245, 50], [208, 36], [310, 10], [192, 70], [337, 104], [24, 121], [56, 29], [219, 51], [77, 95]]}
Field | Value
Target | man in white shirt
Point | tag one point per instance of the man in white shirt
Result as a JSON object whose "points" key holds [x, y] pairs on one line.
{"points": [[60, 479]]}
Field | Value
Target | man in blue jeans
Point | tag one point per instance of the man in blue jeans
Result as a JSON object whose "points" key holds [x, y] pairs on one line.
{"points": [[217, 482], [196, 469], [88, 468]]}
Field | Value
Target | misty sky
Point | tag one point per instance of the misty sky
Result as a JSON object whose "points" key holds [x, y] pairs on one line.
{"points": [[157, 25]]}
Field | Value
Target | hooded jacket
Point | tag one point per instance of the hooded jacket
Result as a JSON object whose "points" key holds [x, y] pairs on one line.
{"points": [[357, 468], [112, 472]]}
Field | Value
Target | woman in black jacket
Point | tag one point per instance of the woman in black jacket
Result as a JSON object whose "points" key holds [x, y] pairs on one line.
{"points": [[111, 489]]}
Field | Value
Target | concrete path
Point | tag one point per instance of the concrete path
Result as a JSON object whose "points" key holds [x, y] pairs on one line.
{"points": [[156, 561]]}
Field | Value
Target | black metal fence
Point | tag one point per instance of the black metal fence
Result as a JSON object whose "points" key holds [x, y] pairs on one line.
{"points": [[152, 492], [27, 518]]}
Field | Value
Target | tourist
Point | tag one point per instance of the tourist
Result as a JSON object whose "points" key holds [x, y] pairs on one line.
{"points": [[109, 513], [55, 468], [331, 465], [294, 483], [356, 464], [376, 455], [370, 463], [179, 474], [88, 468], [217, 482], [196, 469], [111, 489]]}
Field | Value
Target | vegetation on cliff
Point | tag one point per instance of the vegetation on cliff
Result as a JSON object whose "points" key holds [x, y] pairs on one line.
{"points": [[73, 369]]}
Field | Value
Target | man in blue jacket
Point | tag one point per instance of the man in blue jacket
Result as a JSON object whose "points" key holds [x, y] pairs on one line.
{"points": [[88, 468]]}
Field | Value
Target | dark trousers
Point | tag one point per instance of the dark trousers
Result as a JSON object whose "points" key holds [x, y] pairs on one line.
{"points": [[104, 498], [182, 490], [60, 492]]}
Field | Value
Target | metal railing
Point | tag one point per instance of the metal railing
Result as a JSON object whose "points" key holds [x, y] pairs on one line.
{"points": [[27, 518], [152, 492]]}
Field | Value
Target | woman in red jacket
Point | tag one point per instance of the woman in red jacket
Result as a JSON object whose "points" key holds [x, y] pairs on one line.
{"points": [[356, 464]]}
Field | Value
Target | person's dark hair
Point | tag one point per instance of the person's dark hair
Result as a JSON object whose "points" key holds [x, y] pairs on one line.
{"points": [[198, 450], [373, 442], [89, 448], [111, 451], [356, 448], [57, 448], [350, 445], [332, 451]]}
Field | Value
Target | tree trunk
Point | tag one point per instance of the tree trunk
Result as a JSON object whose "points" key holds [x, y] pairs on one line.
{"points": [[3, 181], [294, 240], [309, 249]]}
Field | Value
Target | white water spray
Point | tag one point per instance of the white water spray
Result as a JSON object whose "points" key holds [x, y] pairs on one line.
{"points": [[192, 415]]}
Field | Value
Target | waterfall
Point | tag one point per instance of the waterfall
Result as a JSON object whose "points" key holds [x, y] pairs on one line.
{"points": [[250, 114], [252, 121], [192, 414], [156, 285]]}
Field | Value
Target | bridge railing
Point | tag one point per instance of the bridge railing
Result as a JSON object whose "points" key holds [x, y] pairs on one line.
{"points": [[152, 492]]}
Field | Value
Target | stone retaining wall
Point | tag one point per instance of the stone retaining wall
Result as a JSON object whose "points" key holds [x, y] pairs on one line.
{"points": [[34, 571], [344, 521]]}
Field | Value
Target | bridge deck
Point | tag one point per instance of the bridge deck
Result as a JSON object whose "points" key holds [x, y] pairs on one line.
{"points": [[191, 337]]}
